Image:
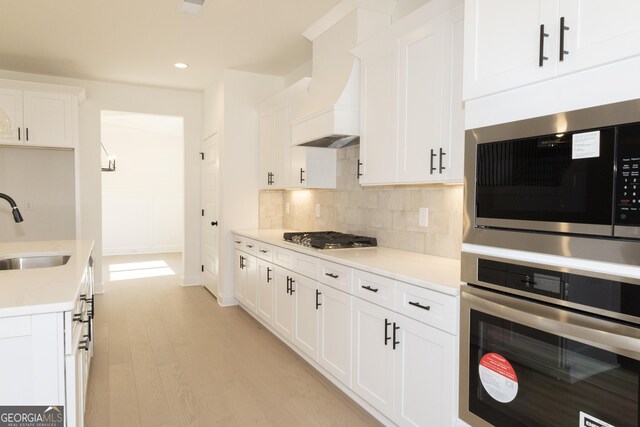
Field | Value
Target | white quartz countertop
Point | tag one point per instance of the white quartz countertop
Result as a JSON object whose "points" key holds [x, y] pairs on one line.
{"points": [[42, 290], [428, 271]]}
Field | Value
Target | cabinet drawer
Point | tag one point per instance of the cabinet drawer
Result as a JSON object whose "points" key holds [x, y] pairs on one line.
{"points": [[336, 275], [284, 258], [306, 265], [265, 251], [377, 289], [250, 246], [427, 306]]}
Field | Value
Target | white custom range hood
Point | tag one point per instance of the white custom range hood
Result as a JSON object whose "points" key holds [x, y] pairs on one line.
{"points": [[330, 115]]}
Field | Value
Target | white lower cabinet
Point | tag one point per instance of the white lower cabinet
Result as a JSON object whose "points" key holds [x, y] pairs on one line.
{"points": [[265, 291], [334, 353], [246, 279], [283, 307], [305, 331]]}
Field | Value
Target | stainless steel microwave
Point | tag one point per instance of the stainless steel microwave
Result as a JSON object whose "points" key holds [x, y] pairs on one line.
{"points": [[566, 184]]}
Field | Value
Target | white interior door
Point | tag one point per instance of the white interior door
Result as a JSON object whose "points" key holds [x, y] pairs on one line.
{"points": [[210, 228]]}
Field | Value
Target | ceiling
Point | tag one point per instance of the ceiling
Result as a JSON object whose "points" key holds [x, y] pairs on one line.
{"points": [[138, 41]]}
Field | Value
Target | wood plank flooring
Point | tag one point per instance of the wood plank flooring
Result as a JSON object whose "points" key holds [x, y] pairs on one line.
{"points": [[167, 355]]}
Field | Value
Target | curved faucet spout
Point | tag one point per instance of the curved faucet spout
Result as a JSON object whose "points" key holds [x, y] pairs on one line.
{"points": [[17, 217]]}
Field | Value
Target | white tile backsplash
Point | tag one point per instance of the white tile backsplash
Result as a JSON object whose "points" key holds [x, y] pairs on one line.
{"points": [[389, 213]]}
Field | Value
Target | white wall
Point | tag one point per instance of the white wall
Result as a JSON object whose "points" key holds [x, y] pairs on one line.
{"points": [[45, 179], [141, 99], [142, 201]]}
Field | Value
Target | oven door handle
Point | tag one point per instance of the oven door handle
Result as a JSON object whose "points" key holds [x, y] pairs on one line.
{"points": [[608, 335]]}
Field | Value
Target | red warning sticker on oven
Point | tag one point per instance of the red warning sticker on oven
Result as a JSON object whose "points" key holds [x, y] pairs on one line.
{"points": [[498, 377]]}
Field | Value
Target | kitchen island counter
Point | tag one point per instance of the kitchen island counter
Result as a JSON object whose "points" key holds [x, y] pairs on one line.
{"points": [[43, 290]]}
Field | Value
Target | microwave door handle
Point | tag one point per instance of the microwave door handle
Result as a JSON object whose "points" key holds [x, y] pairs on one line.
{"points": [[607, 335]]}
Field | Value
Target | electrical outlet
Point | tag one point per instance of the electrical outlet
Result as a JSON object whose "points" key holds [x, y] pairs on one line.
{"points": [[28, 206], [286, 208], [317, 210], [423, 217]]}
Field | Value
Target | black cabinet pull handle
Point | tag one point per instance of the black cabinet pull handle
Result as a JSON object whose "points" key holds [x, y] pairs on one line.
{"points": [[318, 304], [369, 288], [268, 274], [289, 285], [333, 276], [270, 178], [84, 345], [417, 304], [395, 328], [301, 178], [263, 251], [386, 331], [77, 317], [250, 246], [359, 166], [237, 241], [562, 30], [292, 290], [432, 169], [241, 262], [18, 133], [442, 153], [214, 223], [541, 57], [26, 131]]}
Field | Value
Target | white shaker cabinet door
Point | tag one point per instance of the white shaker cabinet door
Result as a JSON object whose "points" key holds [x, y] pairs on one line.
{"points": [[335, 333], [266, 285], [283, 308], [503, 44], [305, 331], [373, 355], [11, 130], [378, 140], [48, 119], [251, 282], [597, 32], [240, 275], [424, 375]]}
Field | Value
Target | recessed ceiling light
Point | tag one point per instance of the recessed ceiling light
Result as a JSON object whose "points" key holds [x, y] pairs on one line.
{"points": [[180, 65]]}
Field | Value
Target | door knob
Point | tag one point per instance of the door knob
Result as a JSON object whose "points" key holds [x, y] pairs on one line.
{"points": [[214, 223]]}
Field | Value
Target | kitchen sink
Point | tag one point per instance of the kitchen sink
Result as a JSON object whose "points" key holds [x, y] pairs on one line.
{"points": [[35, 261]]}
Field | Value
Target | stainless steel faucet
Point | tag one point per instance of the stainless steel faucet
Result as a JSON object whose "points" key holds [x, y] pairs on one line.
{"points": [[16, 213]]}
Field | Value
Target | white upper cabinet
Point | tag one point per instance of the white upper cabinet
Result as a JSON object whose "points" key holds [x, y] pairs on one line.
{"points": [[412, 120], [281, 164], [511, 44], [37, 118]]}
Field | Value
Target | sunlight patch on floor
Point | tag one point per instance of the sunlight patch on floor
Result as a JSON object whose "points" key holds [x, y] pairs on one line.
{"points": [[139, 270]]}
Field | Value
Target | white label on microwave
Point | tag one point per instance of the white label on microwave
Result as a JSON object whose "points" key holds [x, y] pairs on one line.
{"points": [[585, 145], [498, 377], [587, 420]]}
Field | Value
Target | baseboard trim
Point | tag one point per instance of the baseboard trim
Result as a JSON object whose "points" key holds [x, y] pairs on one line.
{"points": [[227, 300]]}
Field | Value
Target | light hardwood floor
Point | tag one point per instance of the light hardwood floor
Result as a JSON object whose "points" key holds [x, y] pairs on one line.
{"points": [[167, 355]]}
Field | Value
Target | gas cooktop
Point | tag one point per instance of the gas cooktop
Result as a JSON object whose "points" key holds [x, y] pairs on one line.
{"points": [[330, 240]]}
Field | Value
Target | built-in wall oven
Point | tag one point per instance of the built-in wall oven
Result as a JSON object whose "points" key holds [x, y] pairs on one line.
{"points": [[565, 184], [548, 345]]}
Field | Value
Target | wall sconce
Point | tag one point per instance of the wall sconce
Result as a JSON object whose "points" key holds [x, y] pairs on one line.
{"points": [[111, 166]]}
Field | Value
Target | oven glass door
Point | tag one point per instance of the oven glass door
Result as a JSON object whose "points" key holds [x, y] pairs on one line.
{"points": [[547, 179], [522, 376]]}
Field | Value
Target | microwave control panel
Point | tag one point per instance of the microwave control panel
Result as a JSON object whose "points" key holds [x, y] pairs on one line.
{"points": [[628, 179]]}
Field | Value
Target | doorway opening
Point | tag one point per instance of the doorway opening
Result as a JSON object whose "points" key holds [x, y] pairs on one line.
{"points": [[143, 198]]}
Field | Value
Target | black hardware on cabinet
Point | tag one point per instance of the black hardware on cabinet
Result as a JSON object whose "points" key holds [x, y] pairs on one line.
{"points": [[77, 317], [26, 131], [18, 134], [289, 285], [432, 168], [202, 268], [333, 276], [263, 251], [359, 165], [270, 178], [301, 178], [202, 155], [442, 153], [417, 304], [237, 241], [249, 246], [89, 328], [214, 223], [369, 288], [386, 332], [562, 30], [268, 273], [83, 297], [92, 312], [202, 212], [318, 303], [292, 290], [395, 328], [541, 57], [83, 345], [241, 261]]}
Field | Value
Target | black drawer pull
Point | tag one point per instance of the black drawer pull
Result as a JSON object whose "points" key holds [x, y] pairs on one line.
{"points": [[333, 276], [369, 288], [541, 57], [563, 28], [269, 274], [318, 303], [386, 332], [84, 345], [417, 304], [263, 251], [395, 328], [292, 290], [432, 168], [250, 246], [237, 241]]}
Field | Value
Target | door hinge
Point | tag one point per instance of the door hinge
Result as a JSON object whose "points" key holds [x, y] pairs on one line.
{"points": [[202, 267], [201, 155]]}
